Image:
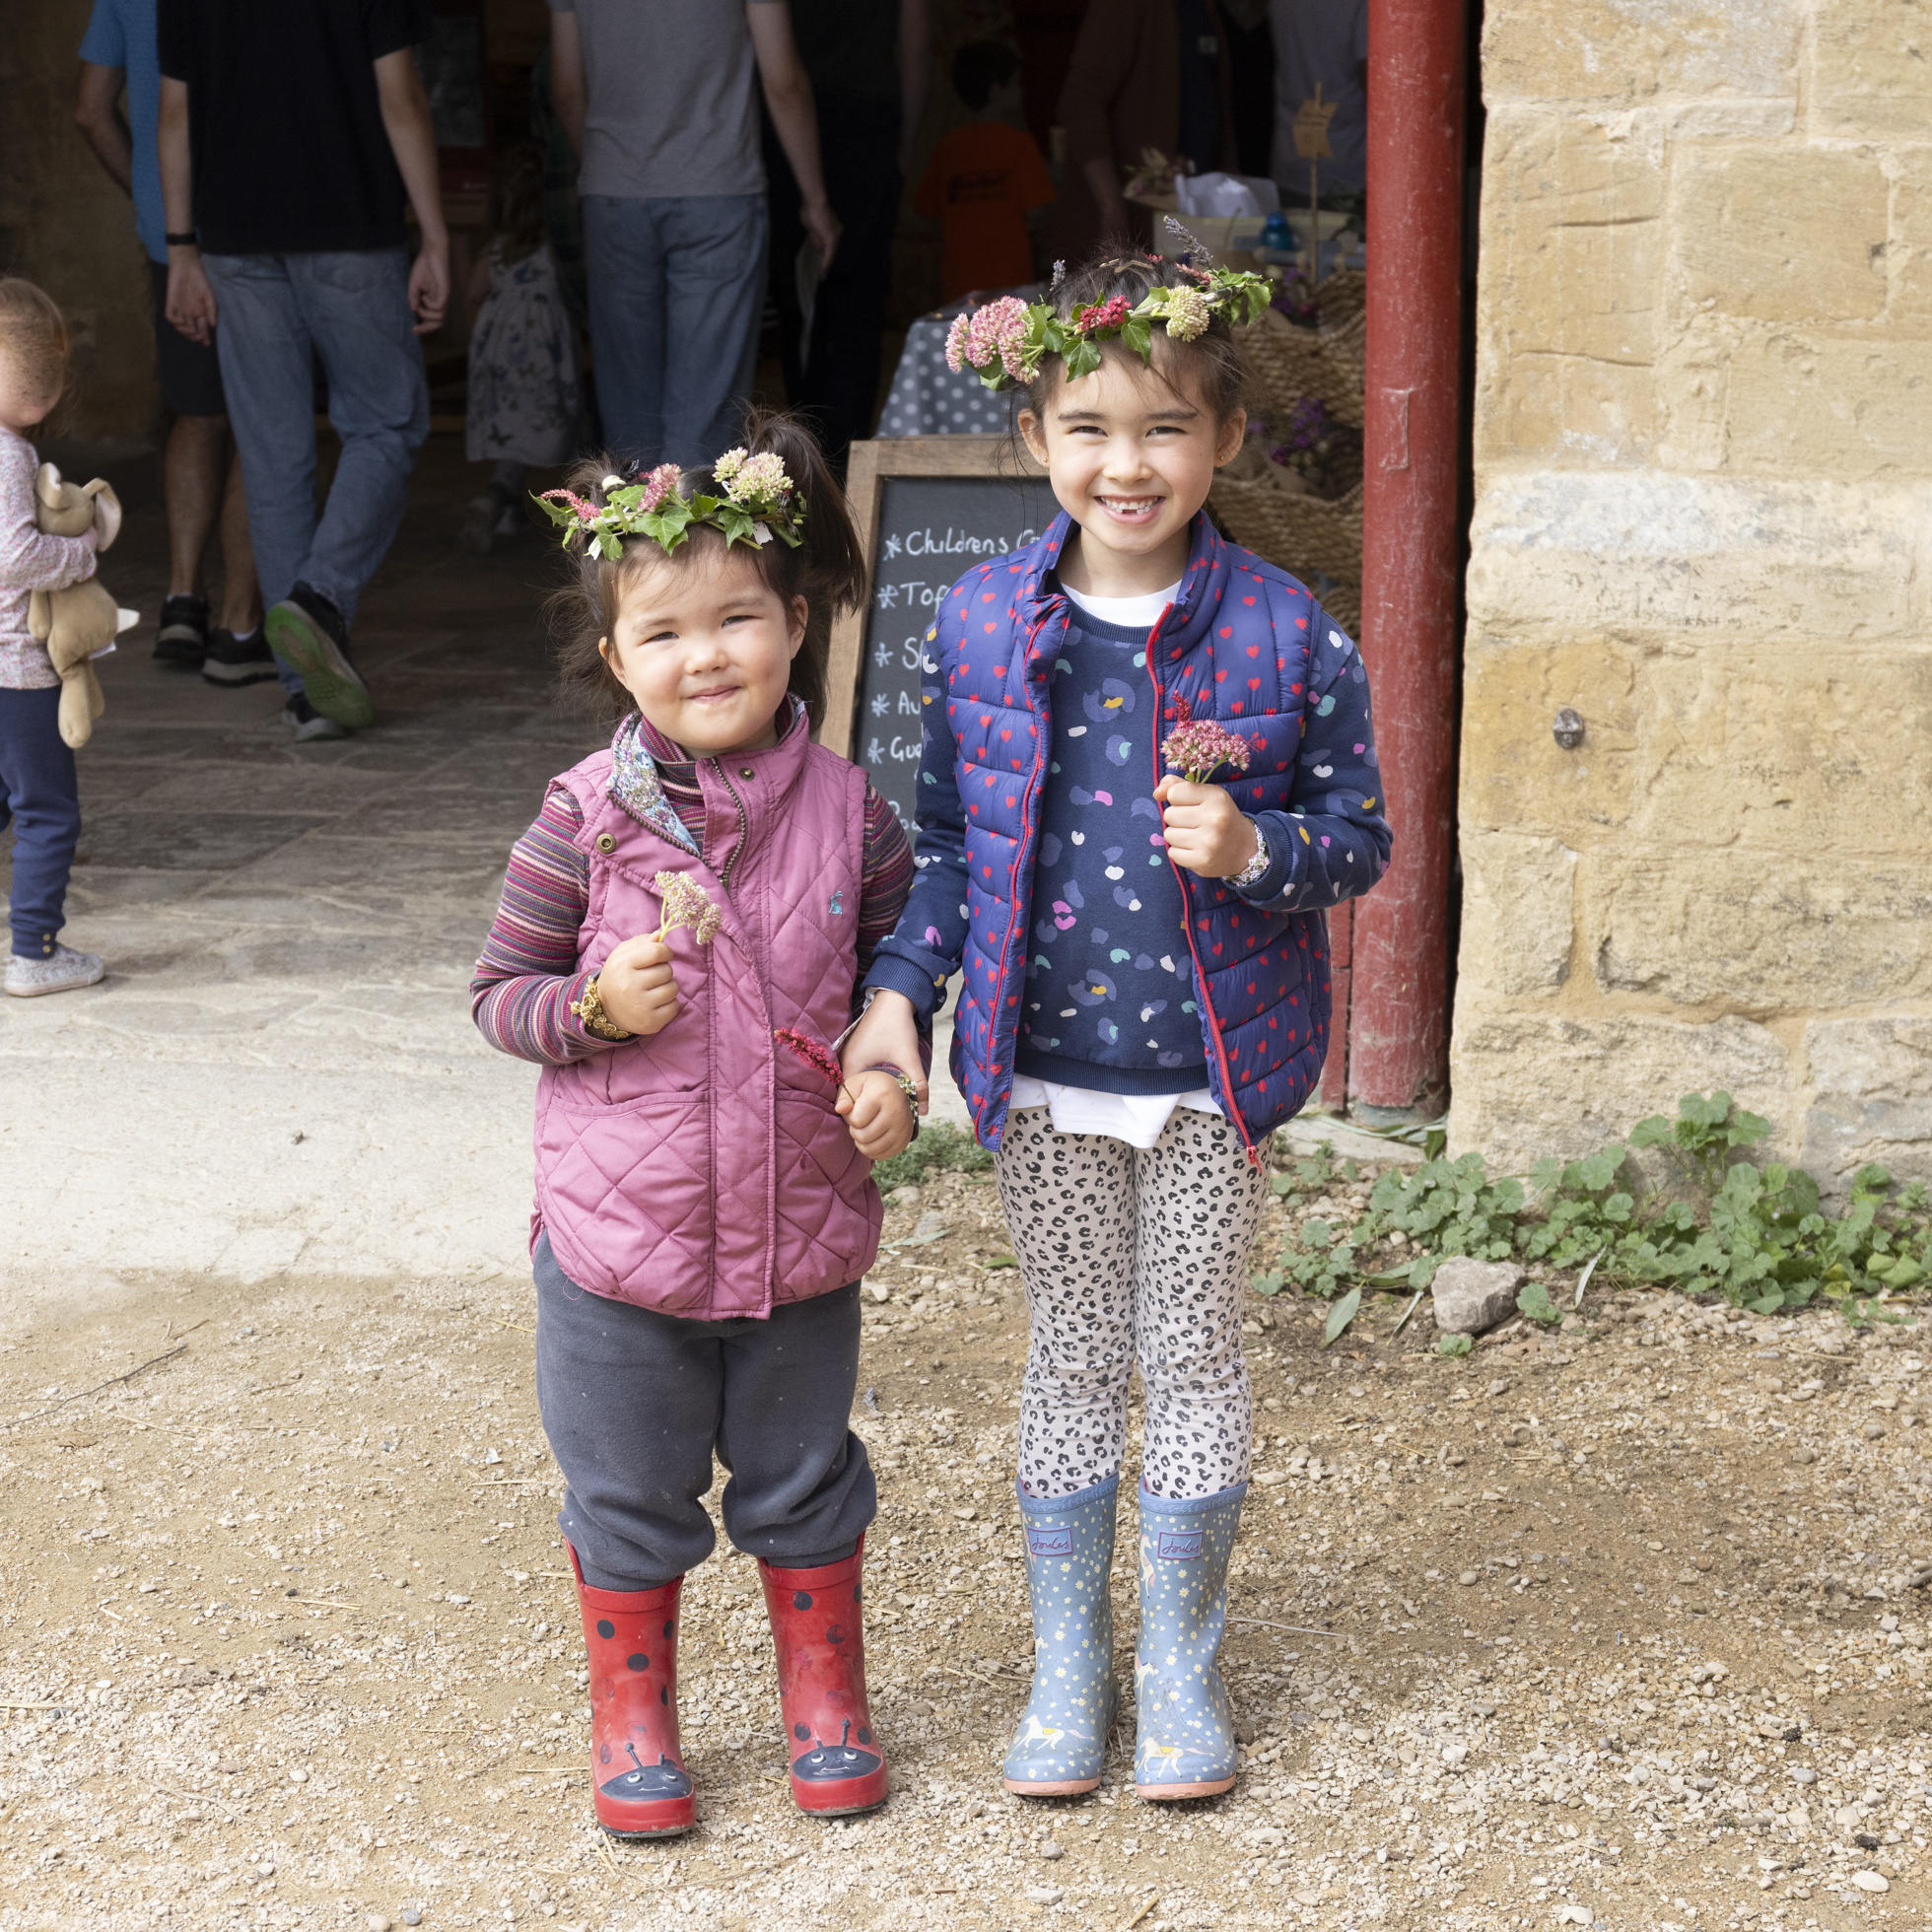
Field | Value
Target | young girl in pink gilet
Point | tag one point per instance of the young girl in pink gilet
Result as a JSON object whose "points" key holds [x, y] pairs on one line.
{"points": [[680, 936]]}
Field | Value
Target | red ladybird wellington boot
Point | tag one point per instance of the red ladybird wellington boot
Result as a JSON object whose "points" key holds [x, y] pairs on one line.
{"points": [[837, 1765], [639, 1788]]}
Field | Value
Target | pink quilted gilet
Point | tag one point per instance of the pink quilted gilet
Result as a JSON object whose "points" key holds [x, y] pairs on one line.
{"points": [[702, 1171]]}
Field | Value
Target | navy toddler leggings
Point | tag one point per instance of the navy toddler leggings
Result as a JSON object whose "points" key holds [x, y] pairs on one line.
{"points": [[40, 796]]}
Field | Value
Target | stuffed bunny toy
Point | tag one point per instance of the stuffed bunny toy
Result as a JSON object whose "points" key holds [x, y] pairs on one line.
{"points": [[79, 623]]}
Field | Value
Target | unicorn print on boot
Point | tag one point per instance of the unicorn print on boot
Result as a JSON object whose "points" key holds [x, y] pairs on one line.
{"points": [[1184, 1728], [1061, 1744]]}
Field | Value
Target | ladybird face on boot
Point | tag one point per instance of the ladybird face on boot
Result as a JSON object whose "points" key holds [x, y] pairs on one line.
{"points": [[825, 1761], [663, 1779]]}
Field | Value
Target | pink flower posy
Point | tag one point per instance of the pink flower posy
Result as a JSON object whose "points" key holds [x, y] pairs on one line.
{"points": [[1197, 748], [686, 903]]}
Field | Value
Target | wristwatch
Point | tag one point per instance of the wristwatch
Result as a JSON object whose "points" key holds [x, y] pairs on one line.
{"points": [[1255, 869], [589, 1008]]}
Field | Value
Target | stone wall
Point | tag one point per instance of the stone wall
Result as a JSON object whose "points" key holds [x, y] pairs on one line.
{"points": [[1703, 448]]}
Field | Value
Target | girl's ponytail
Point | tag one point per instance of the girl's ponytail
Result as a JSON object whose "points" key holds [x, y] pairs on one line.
{"points": [[829, 568]]}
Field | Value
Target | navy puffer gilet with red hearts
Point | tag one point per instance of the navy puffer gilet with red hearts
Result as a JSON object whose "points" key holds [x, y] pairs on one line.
{"points": [[1237, 643]]}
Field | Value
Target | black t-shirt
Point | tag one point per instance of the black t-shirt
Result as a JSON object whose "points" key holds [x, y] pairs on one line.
{"points": [[284, 124]]}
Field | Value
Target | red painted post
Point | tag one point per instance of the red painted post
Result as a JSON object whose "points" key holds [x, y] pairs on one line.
{"points": [[1398, 1017]]}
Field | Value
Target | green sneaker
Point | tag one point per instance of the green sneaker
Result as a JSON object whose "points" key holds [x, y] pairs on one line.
{"points": [[306, 633]]}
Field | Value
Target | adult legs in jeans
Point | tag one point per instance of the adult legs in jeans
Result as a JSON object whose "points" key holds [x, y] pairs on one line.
{"points": [[635, 1403], [677, 289], [352, 310]]}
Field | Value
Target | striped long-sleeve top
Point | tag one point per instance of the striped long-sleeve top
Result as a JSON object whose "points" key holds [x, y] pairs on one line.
{"points": [[525, 983]]}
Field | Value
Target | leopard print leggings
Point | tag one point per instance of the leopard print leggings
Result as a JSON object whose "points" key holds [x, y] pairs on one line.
{"points": [[1124, 1249]]}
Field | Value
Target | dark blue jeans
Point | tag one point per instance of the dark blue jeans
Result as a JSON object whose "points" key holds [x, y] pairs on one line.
{"points": [[636, 1404], [40, 796], [678, 292], [350, 308]]}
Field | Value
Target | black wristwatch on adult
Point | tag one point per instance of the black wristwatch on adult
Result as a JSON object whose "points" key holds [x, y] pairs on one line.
{"points": [[191, 240]]}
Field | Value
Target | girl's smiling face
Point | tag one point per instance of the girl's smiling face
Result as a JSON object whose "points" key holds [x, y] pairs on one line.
{"points": [[1130, 452], [705, 646]]}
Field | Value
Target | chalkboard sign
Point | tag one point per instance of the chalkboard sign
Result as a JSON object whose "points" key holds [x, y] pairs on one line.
{"points": [[928, 509]]}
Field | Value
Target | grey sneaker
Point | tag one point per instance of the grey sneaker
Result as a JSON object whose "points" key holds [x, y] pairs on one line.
{"points": [[306, 633], [309, 723], [28, 979]]}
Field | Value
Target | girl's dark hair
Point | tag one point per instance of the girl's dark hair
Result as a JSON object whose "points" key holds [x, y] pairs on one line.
{"points": [[1213, 362], [827, 570], [517, 200]]}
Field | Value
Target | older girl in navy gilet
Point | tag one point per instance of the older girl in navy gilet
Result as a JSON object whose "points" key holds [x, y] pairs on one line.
{"points": [[1145, 990]]}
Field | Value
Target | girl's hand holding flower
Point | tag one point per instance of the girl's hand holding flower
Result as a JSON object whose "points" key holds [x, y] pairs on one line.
{"points": [[877, 1113], [636, 986], [1206, 830]]}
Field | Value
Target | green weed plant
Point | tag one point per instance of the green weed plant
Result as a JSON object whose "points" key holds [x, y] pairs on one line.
{"points": [[1718, 1224]]}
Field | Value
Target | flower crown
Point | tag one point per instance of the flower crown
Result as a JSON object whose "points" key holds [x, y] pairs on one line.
{"points": [[760, 502], [1005, 343]]}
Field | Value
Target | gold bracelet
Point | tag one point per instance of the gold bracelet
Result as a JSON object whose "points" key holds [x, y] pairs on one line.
{"points": [[589, 1011]]}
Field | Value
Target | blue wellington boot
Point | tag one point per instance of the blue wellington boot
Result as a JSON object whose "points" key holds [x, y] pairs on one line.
{"points": [[1061, 1747], [1184, 1728]]}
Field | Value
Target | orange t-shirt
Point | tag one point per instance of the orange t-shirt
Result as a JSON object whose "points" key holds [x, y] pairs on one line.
{"points": [[982, 181]]}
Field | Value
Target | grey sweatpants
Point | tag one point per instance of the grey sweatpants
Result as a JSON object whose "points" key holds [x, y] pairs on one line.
{"points": [[635, 1403]]}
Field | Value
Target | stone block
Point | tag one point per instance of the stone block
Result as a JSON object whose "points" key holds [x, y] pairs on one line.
{"points": [[1600, 50], [1725, 118], [1757, 932], [1673, 763], [1563, 409], [1517, 919], [1871, 1098], [1780, 232], [1691, 386], [1812, 404], [1909, 258], [1588, 552], [1528, 1084], [1572, 234], [1469, 1297], [1871, 70]]}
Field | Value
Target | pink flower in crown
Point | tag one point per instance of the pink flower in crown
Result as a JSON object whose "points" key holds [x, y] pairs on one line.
{"points": [[589, 512], [1110, 313], [658, 485], [956, 343], [999, 331]]}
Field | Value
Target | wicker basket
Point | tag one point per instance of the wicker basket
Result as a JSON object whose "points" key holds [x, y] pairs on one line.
{"points": [[1292, 363], [1302, 533]]}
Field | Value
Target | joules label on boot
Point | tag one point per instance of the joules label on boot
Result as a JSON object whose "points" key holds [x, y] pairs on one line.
{"points": [[1050, 1543], [1178, 1545]]}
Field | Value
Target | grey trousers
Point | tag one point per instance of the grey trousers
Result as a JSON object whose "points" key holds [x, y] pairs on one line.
{"points": [[636, 1403]]}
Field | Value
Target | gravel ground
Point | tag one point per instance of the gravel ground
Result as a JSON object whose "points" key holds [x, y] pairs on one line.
{"points": [[1612, 1627]]}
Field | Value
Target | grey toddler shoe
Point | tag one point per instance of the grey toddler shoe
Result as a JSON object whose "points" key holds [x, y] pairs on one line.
{"points": [[60, 972]]}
